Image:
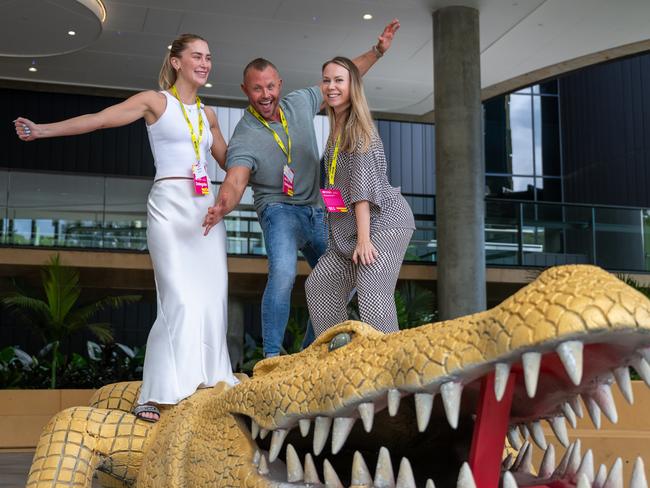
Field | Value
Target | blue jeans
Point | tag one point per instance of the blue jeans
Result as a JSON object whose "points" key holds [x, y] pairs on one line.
{"points": [[287, 228]]}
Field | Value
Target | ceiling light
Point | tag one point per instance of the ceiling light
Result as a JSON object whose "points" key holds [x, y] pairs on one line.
{"points": [[169, 47], [208, 85], [367, 16], [72, 33], [33, 69]]}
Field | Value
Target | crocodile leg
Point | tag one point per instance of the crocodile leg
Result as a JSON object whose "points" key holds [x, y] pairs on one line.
{"points": [[79, 440]]}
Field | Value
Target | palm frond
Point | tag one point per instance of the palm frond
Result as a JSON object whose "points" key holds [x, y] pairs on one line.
{"points": [[28, 305], [101, 330], [84, 313], [61, 285]]}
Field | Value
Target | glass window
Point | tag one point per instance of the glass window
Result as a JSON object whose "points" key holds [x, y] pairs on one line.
{"points": [[520, 134], [549, 135], [549, 189], [515, 187], [496, 151]]}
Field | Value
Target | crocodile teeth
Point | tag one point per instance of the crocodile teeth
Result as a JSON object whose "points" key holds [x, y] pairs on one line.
{"points": [[256, 457], [604, 399], [508, 462], [509, 480], [574, 460], [394, 397], [255, 429], [615, 478], [294, 466], [624, 382], [423, 406], [575, 405], [643, 368], [263, 468], [548, 463], [311, 475], [367, 413], [360, 472], [331, 478], [570, 415], [538, 434], [430, 484], [638, 479], [601, 477], [501, 375], [564, 462], [531, 362], [526, 464], [264, 433], [593, 409], [384, 477], [520, 456], [277, 440], [524, 431], [451, 393], [340, 432], [559, 429], [645, 352], [405, 478], [514, 438], [305, 425], [465, 478], [570, 353], [583, 482], [587, 466], [321, 431]]}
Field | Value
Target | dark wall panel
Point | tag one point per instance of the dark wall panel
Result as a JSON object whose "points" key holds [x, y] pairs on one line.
{"points": [[122, 151], [605, 117]]}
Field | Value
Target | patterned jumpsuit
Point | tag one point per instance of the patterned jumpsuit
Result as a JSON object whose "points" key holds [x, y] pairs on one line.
{"points": [[361, 176]]}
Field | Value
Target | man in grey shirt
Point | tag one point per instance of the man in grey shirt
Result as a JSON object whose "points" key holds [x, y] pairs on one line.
{"points": [[274, 149]]}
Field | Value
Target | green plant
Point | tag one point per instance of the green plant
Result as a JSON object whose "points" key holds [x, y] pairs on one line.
{"points": [[57, 314]]}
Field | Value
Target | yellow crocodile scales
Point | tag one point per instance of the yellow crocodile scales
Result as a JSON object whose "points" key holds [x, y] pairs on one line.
{"points": [[359, 408]]}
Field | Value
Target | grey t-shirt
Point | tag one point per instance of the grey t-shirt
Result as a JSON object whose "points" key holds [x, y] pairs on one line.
{"points": [[252, 145]]}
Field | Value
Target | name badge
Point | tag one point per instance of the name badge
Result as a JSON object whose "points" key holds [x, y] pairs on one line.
{"points": [[287, 180], [333, 200], [201, 183]]}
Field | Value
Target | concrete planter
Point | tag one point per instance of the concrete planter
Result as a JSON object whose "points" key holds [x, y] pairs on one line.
{"points": [[24, 413]]}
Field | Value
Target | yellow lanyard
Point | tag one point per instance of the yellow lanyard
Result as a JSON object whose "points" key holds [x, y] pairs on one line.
{"points": [[196, 142], [332, 168], [285, 126]]}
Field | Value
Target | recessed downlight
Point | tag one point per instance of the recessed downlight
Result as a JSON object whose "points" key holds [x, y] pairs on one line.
{"points": [[169, 47], [208, 85], [33, 69], [72, 33], [367, 16]]}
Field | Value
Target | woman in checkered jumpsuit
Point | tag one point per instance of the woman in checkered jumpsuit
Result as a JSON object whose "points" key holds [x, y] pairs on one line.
{"points": [[367, 243]]}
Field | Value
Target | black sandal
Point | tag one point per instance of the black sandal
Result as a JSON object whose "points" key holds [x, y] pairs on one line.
{"points": [[140, 410]]}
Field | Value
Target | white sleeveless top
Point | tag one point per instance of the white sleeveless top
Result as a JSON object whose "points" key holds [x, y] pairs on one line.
{"points": [[171, 143]]}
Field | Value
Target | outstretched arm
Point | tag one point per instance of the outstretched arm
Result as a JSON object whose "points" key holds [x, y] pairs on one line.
{"points": [[145, 104], [366, 60], [228, 197]]}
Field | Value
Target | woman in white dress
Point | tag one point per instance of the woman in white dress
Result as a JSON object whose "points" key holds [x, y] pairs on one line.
{"points": [[186, 348]]}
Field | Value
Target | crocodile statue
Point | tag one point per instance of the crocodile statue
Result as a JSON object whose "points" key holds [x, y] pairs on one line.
{"points": [[360, 408]]}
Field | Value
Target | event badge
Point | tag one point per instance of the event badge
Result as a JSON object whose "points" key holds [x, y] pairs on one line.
{"points": [[333, 200], [201, 183], [287, 180]]}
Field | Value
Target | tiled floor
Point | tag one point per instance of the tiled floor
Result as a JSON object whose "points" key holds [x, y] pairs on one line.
{"points": [[14, 467]]}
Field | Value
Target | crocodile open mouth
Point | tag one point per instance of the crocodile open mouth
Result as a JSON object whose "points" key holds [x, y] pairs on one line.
{"points": [[466, 430]]}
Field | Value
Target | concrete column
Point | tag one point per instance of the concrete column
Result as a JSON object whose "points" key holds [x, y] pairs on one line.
{"points": [[460, 172]]}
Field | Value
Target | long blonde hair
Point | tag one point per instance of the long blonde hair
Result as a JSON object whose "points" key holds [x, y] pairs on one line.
{"points": [[167, 76], [358, 128]]}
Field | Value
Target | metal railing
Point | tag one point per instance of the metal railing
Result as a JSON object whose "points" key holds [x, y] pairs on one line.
{"points": [[102, 212]]}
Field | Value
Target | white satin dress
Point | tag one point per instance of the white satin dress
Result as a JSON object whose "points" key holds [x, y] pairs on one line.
{"points": [[186, 348]]}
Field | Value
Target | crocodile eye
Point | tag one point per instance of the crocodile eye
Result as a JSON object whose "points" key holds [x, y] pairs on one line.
{"points": [[339, 340]]}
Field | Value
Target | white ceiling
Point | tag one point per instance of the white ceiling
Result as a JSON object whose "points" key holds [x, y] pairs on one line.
{"points": [[517, 37]]}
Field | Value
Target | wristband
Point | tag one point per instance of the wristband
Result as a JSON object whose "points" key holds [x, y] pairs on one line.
{"points": [[376, 50]]}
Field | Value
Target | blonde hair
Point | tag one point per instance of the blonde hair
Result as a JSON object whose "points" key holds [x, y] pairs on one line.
{"points": [[167, 76], [358, 128]]}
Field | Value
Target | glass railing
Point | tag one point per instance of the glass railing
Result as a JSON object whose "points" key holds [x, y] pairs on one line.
{"points": [[101, 212]]}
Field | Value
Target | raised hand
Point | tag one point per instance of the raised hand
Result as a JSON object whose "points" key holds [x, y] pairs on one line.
{"points": [[26, 130], [385, 39]]}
